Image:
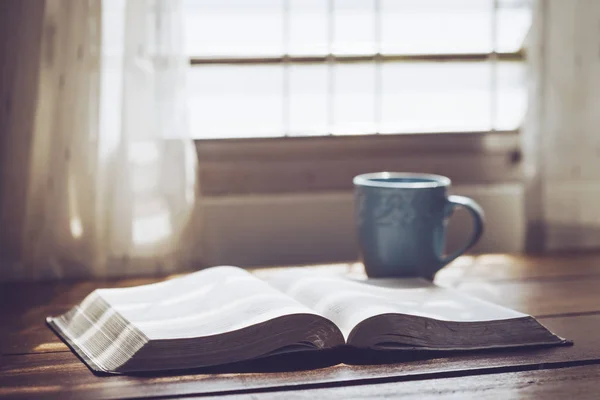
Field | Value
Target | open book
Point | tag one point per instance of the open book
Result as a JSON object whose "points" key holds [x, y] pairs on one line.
{"points": [[225, 314]]}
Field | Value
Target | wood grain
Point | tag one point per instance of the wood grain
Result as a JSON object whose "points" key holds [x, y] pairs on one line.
{"points": [[34, 363], [494, 267], [540, 298], [491, 267], [18, 373], [541, 295], [577, 382], [26, 305]]}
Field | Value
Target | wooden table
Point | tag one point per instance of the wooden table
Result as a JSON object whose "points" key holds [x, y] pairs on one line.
{"points": [[563, 291]]}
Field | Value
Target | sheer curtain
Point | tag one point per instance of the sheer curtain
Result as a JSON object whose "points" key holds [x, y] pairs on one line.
{"points": [[112, 179]]}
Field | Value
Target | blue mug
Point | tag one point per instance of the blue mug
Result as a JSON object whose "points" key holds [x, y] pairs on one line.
{"points": [[402, 219]]}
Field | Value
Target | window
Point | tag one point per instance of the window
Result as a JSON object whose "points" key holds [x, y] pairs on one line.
{"points": [[293, 98], [273, 68]]}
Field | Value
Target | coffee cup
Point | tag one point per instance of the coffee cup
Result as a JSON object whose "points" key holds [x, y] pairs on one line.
{"points": [[401, 220]]}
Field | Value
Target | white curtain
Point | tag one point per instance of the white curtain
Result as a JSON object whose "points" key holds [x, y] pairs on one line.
{"points": [[112, 179]]}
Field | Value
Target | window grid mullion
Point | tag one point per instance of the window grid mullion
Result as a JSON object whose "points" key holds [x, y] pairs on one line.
{"points": [[330, 67], [378, 102], [286, 87], [319, 59], [494, 67], [377, 58]]}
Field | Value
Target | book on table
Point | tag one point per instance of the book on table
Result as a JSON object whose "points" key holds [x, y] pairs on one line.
{"points": [[225, 315]]}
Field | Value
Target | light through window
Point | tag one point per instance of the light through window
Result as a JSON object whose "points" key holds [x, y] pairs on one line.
{"points": [[270, 68]]}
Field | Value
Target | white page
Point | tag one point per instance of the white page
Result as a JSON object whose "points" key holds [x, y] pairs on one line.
{"points": [[208, 302], [348, 302]]}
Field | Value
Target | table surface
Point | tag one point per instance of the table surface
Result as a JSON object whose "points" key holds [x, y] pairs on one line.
{"points": [[562, 291]]}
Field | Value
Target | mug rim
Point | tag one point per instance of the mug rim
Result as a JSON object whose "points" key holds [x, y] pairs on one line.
{"points": [[430, 180]]}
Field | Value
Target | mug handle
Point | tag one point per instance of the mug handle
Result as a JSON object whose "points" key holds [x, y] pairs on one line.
{"points": [[478, 221]]}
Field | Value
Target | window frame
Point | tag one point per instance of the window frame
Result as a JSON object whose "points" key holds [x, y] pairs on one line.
{"points": [[292, 195], [348, 58], [327, 163]]}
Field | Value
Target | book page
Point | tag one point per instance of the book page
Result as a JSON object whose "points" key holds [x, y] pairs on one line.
{"points": [[347, 302], [208, 302]]}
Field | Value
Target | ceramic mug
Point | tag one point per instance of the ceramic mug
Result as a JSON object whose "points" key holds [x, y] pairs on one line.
{"points": [[401, 219]]}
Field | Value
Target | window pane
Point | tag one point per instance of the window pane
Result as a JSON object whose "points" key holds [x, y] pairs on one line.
{"points": [[234, 27], [354, 99], [308, 27], [312, 99], [436, 97], [236, 101], [436, 26], [354, 27], [512, 95], [513, 21], [256, 27], [308, 105]]}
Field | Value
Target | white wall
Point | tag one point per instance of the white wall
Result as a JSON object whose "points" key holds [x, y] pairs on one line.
{"points": [[562, 136], [314, 228]]}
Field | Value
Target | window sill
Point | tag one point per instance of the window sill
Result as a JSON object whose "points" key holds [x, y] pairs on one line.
{"points": [[229, 167]]}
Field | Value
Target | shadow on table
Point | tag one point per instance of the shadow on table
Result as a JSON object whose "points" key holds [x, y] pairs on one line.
{"points": [[313, 360], [301, 361]]}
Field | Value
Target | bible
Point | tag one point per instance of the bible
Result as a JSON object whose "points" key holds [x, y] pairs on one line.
{"points": [[225, 315]]}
